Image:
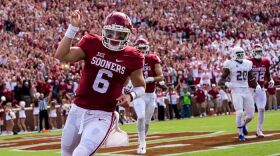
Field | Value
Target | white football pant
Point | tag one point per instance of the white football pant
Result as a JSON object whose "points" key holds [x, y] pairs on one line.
{"points": [[85, 131], [242, 99], [144, 108], [260, 100]]}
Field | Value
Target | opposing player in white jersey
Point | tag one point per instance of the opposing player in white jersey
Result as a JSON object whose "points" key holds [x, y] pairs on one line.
{"points": [[145, 106], [261, 72], [239, 70]]}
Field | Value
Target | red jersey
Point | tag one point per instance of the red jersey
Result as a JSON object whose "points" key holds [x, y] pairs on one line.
{"points": [[62, 86], [200, 95], [104, 73], [214, 93], [260, 69], [271, 90], [149, 70], [69, 87]]}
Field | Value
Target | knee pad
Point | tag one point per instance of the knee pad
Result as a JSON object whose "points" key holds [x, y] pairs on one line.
{"points": [[81, 150], [250, 116], [261, 110], [87, 147], [66, 150], [239, 113], [141, 118], [147, 120]]}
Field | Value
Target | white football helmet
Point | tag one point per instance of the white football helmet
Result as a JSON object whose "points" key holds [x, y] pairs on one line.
{"points": [[258, 51], [237, 54]]}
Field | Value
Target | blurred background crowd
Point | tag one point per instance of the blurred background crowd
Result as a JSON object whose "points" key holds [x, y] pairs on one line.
{"points": [[192, 38]]}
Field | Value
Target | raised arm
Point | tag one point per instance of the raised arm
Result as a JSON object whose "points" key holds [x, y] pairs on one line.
{"points": [[64, 51]]}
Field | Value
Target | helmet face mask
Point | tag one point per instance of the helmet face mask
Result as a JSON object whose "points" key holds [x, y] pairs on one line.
{"points": [[116, 31], [142, 45], [143, 48], [257, 52], [238, 54]]}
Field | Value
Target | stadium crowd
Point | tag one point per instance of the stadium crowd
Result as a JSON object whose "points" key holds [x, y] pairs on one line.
{"points": [[192, 38]]}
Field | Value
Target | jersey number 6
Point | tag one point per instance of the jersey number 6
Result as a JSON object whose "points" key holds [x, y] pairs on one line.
{"points": [[100, 84]]}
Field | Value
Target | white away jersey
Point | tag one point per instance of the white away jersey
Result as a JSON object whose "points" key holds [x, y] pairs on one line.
{"points": [[238, 72]]}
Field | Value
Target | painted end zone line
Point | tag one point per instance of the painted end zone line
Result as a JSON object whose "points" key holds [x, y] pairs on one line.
{"points": [[166, 140], [223, 147]]}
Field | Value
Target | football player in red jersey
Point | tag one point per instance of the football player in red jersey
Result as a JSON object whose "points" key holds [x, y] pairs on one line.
{"points": [[145, 106], [109, 61], [261, 72]]}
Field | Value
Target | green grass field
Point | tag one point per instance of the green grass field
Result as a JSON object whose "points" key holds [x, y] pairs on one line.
{"points": [[222, 124]]}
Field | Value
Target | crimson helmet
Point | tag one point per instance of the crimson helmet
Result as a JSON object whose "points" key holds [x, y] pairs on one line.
{"points": [[116, 31], [257, 51], [142, 45]]}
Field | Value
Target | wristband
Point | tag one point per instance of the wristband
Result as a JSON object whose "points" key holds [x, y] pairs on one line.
{"points": [[137, 92], [132, 95], [71, 31]]}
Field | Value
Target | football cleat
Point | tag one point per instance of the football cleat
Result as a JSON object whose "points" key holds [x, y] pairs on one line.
{"points": [[245, 130], [141, 149], [260, 134], [241, 138]]}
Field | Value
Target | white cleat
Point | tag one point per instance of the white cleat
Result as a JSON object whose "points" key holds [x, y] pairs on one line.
{"points": [[141, 149], [260, 134]]}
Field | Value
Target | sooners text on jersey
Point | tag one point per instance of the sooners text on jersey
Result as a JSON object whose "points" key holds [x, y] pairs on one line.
{"points": [[104, 73], [260, 69], [149, 70]]}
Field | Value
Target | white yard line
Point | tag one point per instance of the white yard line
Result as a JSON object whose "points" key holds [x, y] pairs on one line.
{"points": [[165, 140], [33, 145], [185, 137], [7, 144], [223, 147]]}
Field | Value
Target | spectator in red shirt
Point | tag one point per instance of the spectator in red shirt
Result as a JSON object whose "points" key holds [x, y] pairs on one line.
{"points": [[214, 101], [69, 87], [272, 99], [199, 94]]}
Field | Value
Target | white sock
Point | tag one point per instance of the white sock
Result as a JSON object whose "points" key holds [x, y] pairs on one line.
{"points": [[260, 119], [141, 137], [239, 123], [240, 131], [238, 118], [146, 129]]}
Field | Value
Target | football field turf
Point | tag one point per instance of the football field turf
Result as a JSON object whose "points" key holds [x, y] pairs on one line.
{"points": [[197, 136]]}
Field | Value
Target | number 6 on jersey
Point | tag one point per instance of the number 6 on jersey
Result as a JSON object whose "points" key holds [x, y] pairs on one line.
{"points": [[101, 85]]}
